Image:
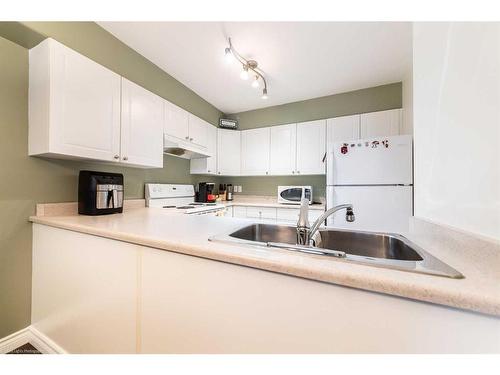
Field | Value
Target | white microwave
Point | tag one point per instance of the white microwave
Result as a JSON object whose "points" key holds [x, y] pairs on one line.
{"points": [[294, 194]]}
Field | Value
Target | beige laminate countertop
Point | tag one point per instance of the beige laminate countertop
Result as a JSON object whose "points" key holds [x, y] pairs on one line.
{"points": [[478, 259]]}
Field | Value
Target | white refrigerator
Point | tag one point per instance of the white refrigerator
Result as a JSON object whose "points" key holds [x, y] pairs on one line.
{"points": [[376, 176]]}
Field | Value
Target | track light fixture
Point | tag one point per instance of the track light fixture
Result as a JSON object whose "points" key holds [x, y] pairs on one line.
{"points": [[247, 66]]}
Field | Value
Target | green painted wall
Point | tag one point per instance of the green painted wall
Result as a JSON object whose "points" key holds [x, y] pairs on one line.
{"points": [[360, 101], [267, 185], [26, 180], [349, 103]]}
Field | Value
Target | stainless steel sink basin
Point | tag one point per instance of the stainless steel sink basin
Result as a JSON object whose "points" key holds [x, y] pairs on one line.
{"points": [[377, 249], [372, 245], [266, 233]]}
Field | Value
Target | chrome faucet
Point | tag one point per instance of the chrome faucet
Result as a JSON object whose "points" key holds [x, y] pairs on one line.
{"points": [[306, 232]]}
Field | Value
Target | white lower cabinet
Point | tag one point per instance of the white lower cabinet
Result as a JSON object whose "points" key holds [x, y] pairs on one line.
{"points": [[85, 291], [291, 215], [239, 211], [262, 213], [272, 214]]}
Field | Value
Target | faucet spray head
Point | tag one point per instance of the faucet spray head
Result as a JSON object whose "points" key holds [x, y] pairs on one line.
{"points": [[349, 215]]}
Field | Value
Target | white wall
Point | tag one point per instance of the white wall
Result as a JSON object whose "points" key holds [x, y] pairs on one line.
{"points": [[456, 80]]}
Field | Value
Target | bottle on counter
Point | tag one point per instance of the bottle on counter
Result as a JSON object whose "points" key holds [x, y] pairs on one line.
{"points": [[222, 192], [229, 192]]}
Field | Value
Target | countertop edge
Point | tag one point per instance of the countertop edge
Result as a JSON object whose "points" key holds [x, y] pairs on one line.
{"points": [[389, 287]]}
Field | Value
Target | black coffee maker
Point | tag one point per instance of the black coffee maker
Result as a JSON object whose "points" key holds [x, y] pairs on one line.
{"points": [[205, 192]]}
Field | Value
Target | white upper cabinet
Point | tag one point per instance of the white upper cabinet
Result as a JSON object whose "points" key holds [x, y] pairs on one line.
{"points": [[228, 152], [198, 129], [283, 148], [176, 121], [311, 147], [345, 128], [207, 165], [185, 127], [80, 109], [74, 105], [383, 123], [255, 152], [142, 126]]}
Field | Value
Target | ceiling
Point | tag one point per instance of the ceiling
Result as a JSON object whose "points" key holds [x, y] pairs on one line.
{"points": [[301, 60]]}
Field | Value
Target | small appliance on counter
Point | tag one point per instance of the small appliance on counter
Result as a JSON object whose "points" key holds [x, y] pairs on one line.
{"points": [[100, 193], [222, 192], [294, 194], [205, 192], [229, 192]]}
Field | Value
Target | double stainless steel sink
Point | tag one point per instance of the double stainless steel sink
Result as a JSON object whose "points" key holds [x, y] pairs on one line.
{"points": [[377, 249]]}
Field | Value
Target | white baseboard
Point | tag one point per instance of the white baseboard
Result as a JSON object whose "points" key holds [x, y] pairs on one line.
{"points": [[33, 336]]}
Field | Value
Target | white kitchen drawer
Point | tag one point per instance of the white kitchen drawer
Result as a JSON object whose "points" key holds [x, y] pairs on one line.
{"points": [[291, 215], [228, 212], [239, 211], [261, 212]]}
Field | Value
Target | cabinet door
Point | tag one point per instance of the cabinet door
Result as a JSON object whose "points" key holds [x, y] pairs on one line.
{"points": [[239, 211], [255, 152], [291, 215], [345, 128], [311, 145], [383, 123], [207, 165], [176, 121], [283, 147], [142, 126], [262, 213], [198, 129], [228, 152], [84, 103]]}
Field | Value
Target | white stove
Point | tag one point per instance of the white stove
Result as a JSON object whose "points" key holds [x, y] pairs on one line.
{"points": [[179, 199]]}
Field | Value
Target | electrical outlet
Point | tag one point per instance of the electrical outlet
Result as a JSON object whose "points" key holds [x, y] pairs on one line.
{"points": [[241, 189]]}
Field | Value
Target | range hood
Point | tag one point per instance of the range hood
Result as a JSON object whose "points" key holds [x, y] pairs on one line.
{"points": [[183, 149]]}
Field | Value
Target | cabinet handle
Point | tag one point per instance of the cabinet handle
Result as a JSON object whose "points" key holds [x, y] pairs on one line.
{"points": [[267, 172], [209, 171], [298, 172], [116, 157], [191, 139], [219, 172], [187, 137], [125, 158], [293, 172]]}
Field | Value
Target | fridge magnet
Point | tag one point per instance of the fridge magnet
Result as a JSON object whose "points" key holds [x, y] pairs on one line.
{"points": [[344, 149], [375, 144], [386, 143]]}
